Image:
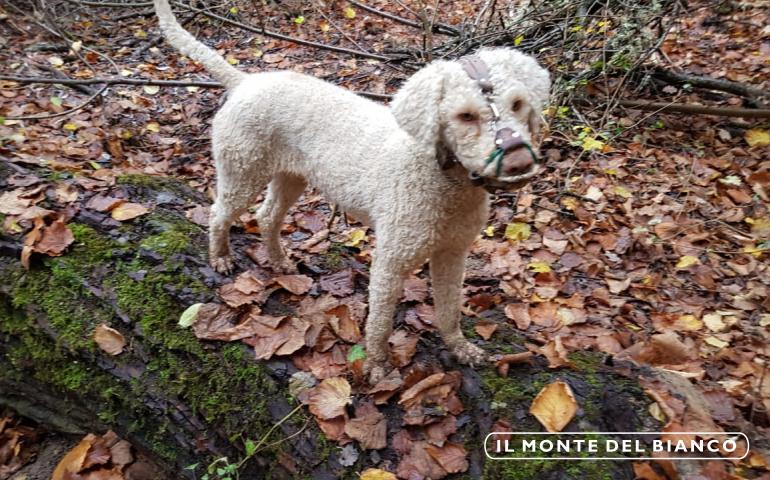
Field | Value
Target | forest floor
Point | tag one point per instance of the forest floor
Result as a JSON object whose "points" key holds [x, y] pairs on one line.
{"points": [[647, 238]]}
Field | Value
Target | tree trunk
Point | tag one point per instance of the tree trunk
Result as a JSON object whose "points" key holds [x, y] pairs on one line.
{"points": [[185, 401]]}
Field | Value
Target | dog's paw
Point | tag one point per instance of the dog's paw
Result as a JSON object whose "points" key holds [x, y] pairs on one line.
{"points": [[469, 354], [376, 371], [223, 265]]}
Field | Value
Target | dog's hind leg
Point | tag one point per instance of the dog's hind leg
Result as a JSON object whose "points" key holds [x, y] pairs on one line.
{"points": [[236, 192], [284, 189]]}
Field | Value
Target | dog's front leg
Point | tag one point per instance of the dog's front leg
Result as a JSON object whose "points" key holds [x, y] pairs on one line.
{"points": [[446, 268], [385, 287]]}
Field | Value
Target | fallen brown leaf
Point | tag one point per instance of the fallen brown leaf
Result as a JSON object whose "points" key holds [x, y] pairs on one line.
{"points": [[72, 462], [54, 239], [327, 400], [415, 289], [387, 387], [339, 284], [128, 211], [109, 339], [343, 324], [403, 346], [554, 406], [296, 284], [451, 457], [368, 427], [376, 474], [485, 329]]}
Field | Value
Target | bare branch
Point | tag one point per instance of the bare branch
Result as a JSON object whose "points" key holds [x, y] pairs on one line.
{"points": [[142, 81], [728, 86], [437, 27], [280, 36], [689, 108]]}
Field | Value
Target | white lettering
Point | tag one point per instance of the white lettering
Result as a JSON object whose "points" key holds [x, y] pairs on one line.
{"points": [[529, 446], [733, 445], [593, 446]]}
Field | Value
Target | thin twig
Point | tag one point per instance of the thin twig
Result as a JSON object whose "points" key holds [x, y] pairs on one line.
{"points": [[45, 116], [277, 424], [339, 29], [143, 81], [437, 27], [280, 36], [113, 4]]}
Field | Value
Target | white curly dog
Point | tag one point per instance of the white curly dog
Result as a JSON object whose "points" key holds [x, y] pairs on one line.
{"points": [[414, 172]]}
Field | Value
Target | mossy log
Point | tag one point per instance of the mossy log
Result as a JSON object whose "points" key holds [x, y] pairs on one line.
{"points": [[184, 401]]}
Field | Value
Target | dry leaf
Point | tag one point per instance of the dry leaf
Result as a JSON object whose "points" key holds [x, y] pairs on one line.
{"points": [[128, 211], [554, 406], [519, 313], [451, 457], [328, 399], [339, 284], [556, 353], [415, 289], [54, 239], [369, 427], [296, 284], [109, 339], [387, 387], [756, 137], [102, 203], [343, 324], [485, 329], [245, 289], [72, 462], [403, 346], [376, 474]]}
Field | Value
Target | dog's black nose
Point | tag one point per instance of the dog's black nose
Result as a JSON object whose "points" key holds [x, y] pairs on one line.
{"points": [[517, 162]]}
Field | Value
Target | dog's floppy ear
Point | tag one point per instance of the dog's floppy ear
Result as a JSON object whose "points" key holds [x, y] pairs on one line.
{"points": [[416, 105]]}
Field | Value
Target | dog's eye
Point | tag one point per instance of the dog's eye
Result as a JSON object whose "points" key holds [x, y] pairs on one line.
{"points": [[517, 104], [468, 117]]}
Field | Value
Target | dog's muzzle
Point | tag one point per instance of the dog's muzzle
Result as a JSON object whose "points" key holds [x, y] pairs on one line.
{"points": [[514, 161]]}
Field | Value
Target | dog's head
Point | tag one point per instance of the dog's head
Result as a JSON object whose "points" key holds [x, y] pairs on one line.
{"points": [[446, 110]]}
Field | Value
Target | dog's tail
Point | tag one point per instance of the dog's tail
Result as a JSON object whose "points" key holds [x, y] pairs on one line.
{"points": [[183, 41]]}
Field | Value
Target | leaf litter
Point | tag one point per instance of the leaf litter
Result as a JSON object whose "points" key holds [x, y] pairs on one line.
{"points": [[631, 256]]}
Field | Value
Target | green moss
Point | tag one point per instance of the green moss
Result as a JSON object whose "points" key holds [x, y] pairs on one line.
{"points": [[31, 354], [166, 243], [224, 385], [563, 470], [150, 181], [56, 176], [334, 256]]}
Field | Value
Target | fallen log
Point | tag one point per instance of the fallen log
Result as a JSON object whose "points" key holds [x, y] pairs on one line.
{"points": [[184, 401]]}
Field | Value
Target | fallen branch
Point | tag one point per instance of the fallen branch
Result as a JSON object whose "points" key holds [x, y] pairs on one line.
{"points": [[664, 107], [147, 81], [280, 36], [437, 27], [113, 4], [696, 109], [728, 86]]}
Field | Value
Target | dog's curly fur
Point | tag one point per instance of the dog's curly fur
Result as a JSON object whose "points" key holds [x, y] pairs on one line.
{"points": [[283, 130]]}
